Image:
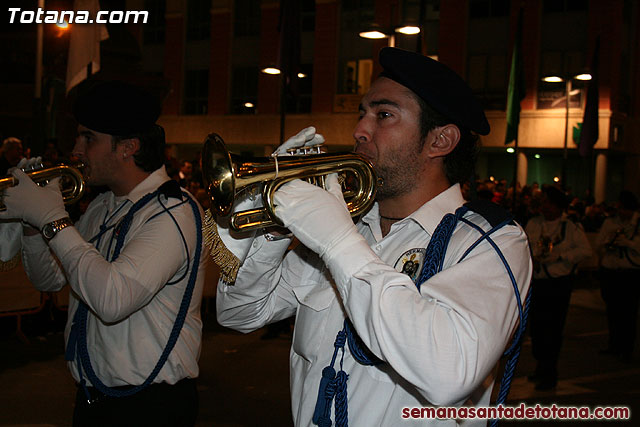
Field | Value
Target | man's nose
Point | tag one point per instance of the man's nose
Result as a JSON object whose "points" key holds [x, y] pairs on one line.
{"points": [[362, 132]]}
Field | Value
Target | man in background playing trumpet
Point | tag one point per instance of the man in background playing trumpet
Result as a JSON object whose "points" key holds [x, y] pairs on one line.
{"points": [[134, 261], [558, 246], [409, 346], [618, 244]]}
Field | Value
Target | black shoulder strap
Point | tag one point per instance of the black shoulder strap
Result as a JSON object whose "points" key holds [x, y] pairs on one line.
{"points": [[171, 188], [490, 211]]}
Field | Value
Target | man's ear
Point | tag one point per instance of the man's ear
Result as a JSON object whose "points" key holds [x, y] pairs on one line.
{"points": [[130, 147], [443, 140]]}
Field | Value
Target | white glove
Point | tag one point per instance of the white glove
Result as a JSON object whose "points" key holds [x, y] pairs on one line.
{"points": [[33, 204], [307, 137], [28, 164], [239, 243], [318, 218], [10, 240]]}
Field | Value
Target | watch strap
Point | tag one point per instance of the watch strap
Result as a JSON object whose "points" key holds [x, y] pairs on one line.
{"points": [[54, 227]]}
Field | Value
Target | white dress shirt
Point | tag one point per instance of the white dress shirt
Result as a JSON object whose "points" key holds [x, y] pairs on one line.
{"points": [[132, 306], [614, 257], [439, 344], [573, 247]]}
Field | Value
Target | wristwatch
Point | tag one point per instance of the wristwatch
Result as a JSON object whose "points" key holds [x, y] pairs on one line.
{"points": [[54, 227]]}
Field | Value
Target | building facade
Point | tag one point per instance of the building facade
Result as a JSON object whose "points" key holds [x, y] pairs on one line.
{"points": [[210, 53]]}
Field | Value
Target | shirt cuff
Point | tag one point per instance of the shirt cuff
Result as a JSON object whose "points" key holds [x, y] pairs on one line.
{"points": [[347, 258], [66, 241]]}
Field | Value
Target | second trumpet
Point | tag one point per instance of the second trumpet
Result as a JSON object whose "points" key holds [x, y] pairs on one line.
{"points": [[227, 175]]}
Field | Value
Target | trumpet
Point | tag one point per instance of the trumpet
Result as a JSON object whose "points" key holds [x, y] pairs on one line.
{"points": [[545, 246], [71, 183], [227, 175]]}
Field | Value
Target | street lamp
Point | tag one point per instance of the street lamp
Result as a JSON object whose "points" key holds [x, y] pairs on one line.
{"points": [[567, 93], [376, 33]]}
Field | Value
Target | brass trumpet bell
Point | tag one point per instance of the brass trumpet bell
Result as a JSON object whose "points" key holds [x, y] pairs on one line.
{"points": [[71, 183], [227, 175]]}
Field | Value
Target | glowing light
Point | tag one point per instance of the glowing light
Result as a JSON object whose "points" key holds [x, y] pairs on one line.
{"points": [[271, 70], [537, 156], [302, 75], [491, 179], [248, 105], [556, 179], [552, 79], [583, 76], [372, 35], [511, 150], [408, 29], [62, 25]]}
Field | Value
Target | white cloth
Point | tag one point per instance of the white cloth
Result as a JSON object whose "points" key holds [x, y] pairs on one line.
{"points": [[10, 233], [440, 344], [614, 257], [132, 310], [567, 251]]}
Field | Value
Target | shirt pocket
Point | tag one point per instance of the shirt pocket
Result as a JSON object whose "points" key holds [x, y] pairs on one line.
{"points": [[311, 320]]}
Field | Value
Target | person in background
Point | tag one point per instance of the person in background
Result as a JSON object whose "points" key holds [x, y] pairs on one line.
{"points": [[558, 245], [10, 154], [618, 244], [134, 261]]}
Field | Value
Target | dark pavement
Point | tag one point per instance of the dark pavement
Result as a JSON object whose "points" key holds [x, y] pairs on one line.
{"points": [[244, 379]]}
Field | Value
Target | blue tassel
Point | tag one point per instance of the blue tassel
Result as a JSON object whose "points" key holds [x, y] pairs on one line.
{"points": [[342, 410], [323, 404]]}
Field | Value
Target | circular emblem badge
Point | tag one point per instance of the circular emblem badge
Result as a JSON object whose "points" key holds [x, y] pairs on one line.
{"points": [[410, 262]]}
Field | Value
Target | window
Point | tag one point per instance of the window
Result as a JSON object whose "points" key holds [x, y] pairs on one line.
{"points": [[299, 98], [308, 15], [196, 91], [487, 77], [562, 6], [356, 14], [198, 19], [244, 89], [488, 8], [154, 29], [246, 18], [357, 76], [487, 57], [563, 64]]}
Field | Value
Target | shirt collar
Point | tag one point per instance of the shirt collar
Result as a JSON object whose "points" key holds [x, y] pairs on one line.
{"points": [[148, 185], [429, 215]]}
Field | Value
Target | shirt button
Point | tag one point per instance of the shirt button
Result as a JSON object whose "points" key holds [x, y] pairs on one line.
{"points": [[255, 243], [378, 248]]}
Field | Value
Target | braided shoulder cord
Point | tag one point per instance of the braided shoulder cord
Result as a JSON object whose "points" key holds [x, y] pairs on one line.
{"points": [[77, 337], [433, 264]]}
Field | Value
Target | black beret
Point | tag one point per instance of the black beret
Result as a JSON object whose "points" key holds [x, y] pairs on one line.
{"points": [[439, 86], [116, 108]]}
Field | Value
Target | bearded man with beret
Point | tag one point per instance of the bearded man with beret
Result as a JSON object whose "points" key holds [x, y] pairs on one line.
{"points": [[376, 332], [134, 261]]}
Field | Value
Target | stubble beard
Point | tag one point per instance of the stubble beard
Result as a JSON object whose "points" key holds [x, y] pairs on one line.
{"points": [[398, 172]]}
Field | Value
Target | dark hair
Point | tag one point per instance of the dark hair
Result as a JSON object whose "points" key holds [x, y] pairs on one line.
{"points": [[556, 196], [460, 163], [150, 156]]}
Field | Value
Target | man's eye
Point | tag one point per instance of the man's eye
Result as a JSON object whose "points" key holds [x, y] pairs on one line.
{"points": [[384, 114]]}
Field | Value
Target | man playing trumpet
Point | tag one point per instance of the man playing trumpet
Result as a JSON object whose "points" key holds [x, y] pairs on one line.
{"points": [[558, 246], [134, 262], [370, 340]]}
